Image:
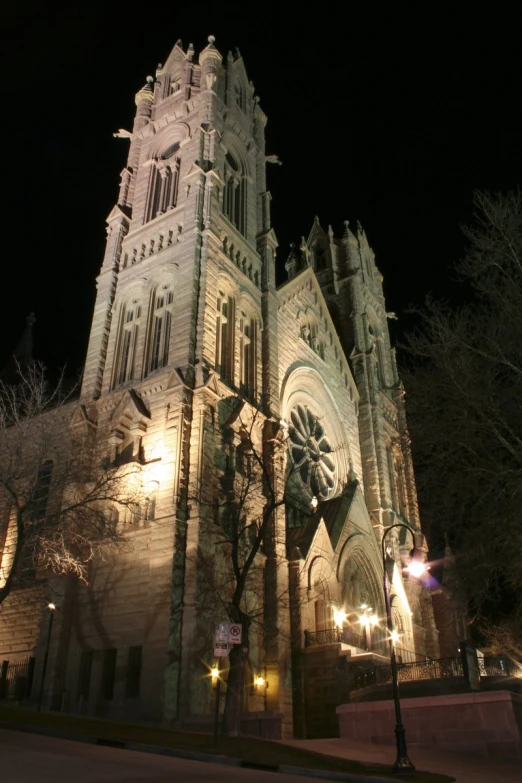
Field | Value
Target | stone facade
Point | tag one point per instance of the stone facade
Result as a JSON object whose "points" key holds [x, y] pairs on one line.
{"points": [[188, 316]]}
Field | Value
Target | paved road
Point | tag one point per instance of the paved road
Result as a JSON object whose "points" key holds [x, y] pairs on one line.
{"points": [[31, 758]]}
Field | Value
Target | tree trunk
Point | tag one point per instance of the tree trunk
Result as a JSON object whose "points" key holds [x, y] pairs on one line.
{"points": [[235, 688]]}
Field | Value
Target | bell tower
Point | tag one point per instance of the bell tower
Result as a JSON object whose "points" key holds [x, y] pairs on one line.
{"points": [[192, 199]]}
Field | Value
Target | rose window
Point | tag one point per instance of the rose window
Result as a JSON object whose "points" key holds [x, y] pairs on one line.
{"points": [[311, 452]]}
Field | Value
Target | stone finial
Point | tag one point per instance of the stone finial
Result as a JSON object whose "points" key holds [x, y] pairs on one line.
{"points": [[211, 40], [31, 319]]}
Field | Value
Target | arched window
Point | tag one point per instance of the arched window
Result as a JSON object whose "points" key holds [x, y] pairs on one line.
{"points": [[235, 193], [126, 343], [42, 488], [225, 336], [247, 327], [159, 338], [163, 183], [319, 257]]}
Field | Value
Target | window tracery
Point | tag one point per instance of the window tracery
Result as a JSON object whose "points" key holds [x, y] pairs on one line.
{"points": [[311, 452], [127, 342], [248, 340], [164, 182], [225, 307], [159, 338], [235, 192]]}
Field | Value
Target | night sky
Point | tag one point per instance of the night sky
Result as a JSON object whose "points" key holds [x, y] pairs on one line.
{"points": [[391, 120]]}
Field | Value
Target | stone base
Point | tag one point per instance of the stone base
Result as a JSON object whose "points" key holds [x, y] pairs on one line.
{"points": [[266, 724], [485, 724]]}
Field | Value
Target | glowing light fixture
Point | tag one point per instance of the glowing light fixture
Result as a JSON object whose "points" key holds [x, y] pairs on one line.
{"points": [[214, 673], [339, 618], [417, 567]]}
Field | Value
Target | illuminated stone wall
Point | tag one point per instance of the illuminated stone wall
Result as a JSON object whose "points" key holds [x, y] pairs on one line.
{"points": [[191, 227]]}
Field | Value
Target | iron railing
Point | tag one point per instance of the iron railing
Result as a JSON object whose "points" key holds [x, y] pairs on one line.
{"points": [[442, 668], [16, 679], [498, 666]]}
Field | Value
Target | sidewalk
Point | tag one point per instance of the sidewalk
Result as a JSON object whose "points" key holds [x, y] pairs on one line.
{"points": [[466, 769]]}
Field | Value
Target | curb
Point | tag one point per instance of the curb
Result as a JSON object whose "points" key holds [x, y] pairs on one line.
{"points": [[209, 758]]}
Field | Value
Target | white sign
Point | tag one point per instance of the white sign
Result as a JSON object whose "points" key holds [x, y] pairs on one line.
{"points": [[221, 633], [235, 633], [220, 650]]}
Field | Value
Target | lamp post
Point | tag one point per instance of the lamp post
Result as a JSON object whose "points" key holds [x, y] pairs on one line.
{"points": [[51, 608], [417, 568], [216, 683]]}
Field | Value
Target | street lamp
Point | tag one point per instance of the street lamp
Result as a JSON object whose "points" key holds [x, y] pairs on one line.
{"points": [[416, 568], [216, 684], [51, 608]]}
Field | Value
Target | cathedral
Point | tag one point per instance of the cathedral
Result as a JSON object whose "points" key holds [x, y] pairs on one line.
{"points": [[193, 344]]}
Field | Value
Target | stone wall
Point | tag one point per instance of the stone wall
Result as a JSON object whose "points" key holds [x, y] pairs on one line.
{"points": [[485, 724]]}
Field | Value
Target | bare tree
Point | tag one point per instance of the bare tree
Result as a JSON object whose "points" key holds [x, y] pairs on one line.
{"points": [[244, 543], [58, 500], [463, 374]]}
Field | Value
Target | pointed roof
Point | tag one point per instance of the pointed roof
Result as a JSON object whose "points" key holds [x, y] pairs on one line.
{"points": [[316, 231]]}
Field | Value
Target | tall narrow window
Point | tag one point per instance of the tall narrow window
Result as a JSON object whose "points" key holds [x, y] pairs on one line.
{"points": [[160, 329], [393, 480], [163, 183], [127, 343], [235, 193], [108, 673], [84, 675], [133, 673], [41, 490], [225, 336], [248, 355]]}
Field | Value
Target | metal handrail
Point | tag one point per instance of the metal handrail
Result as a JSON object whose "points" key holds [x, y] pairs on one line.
{"points": [[441, 668]]}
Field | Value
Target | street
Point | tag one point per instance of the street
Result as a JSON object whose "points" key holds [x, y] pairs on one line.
{"points": [[27, 758]]}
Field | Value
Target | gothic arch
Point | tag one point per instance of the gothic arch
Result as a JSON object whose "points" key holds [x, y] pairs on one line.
{"points": [[173, 134], [359, 582], [304, 388]]}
